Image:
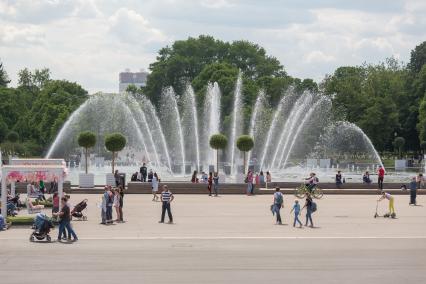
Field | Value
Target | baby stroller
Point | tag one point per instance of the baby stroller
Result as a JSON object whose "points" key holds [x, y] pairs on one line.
{"points": [[42, 226], [77, 212]]}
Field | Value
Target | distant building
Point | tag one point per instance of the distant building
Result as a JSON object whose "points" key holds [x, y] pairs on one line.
{"points": [[128, 78]]}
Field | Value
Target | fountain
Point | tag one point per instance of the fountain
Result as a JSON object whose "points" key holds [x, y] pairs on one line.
{"points": [[173, 138], [190, 125], [212, 122], [256, 120], [236, 128], [172, 124]]}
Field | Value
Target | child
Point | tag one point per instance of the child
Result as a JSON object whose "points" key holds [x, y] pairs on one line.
{"points": [[216, 183], [296, 209], [116, 204], [389, 197]]}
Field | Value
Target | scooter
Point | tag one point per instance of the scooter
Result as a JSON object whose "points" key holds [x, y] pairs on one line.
{"points": [[376, 214], [387, 215]]}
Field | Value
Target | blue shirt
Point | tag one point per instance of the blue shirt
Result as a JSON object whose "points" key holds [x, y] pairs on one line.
{"points": [[296, 208]]}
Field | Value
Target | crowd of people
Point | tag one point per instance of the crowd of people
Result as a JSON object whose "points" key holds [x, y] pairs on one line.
{"points": [[112, 197]]}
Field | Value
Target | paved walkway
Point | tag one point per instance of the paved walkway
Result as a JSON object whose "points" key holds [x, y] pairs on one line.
{"points": [[228, 239]]}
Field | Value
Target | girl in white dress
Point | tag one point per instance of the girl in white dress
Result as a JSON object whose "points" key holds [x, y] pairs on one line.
{"points": [[154, 183]]}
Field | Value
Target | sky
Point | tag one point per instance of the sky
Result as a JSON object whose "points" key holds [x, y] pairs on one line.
{"points": [[91, 41]]}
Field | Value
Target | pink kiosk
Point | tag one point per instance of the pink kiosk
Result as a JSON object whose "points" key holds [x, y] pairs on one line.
{"points": [[32, 170]]}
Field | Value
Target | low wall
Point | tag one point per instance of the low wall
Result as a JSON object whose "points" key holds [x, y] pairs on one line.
{"points": [[234, 188], [21, 187]]}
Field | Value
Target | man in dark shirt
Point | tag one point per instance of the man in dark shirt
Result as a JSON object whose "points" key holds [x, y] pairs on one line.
{"points": [[65, 222], [144, 172]]}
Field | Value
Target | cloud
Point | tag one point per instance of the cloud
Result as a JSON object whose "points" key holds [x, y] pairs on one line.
{"points": [[90, 41], [21, 35], [318, 56], [216, 4], [132, 28]]}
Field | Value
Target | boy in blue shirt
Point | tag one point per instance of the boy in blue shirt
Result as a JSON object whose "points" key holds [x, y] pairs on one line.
{"points": [[296, 209]]}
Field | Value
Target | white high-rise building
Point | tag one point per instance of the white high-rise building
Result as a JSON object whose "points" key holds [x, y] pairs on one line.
{"points": [[128, 78]]}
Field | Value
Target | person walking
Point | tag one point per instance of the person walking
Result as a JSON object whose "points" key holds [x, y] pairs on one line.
{"points": [[154, 186], [308, 206], [413, 191], [144, 172], [65, 222], [296, 210], [249, 181], [216, 184], [210, 183], [380, 177], [166, 198], [278, 204]]}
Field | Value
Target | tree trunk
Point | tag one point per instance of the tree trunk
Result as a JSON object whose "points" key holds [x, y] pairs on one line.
{"points": [[244, 155], [86, 161], [113, 160], [217, 161]]}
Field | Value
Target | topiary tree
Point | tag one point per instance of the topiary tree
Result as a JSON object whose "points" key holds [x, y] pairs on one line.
{"points": [[245, 143], [86, 139], [218, 142], [114, 142], [12, 137], [399, 143]]}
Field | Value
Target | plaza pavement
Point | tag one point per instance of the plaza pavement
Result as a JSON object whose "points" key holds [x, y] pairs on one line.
{"points": [[228, 239]]}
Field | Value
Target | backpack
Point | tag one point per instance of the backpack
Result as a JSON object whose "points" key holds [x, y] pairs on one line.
{"points": [[279, 199], [313, 206]]}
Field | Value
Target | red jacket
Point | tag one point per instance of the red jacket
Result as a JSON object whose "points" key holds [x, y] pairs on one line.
{"points": [[381, 172]]}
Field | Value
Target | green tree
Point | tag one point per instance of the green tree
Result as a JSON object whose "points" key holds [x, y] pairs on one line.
{"points": [[25, 78], [3, 130], [418, 58], [245, 143], [12, 137], [399, 143], [86, 139], [218, 142], [4, 78], [114, 143]]}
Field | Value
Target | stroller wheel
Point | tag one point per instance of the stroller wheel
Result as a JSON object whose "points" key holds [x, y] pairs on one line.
{"points": [[84, 218], [48, 238], [32, 238]]}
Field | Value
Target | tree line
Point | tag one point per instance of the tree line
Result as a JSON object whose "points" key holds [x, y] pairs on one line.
{"points": [[387, 100], [32, 114]]}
